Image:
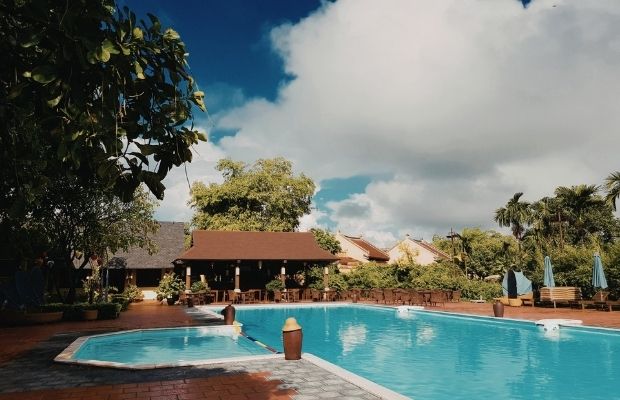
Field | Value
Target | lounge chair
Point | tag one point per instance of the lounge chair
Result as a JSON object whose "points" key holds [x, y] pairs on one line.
{"points": [[609, 304], [598, 300], [527, 299]]}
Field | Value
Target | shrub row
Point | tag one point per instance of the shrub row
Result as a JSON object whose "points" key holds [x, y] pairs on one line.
{"points": [[73, 312]]}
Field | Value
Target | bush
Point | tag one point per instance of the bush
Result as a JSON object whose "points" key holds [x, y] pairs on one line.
{"points": [[170, 285], [274, 285], [199, 286], [122, 300], [133, 293], [108, 310]]}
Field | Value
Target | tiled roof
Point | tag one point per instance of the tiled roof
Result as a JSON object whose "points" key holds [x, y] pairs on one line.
{"points": [[374, 253], [238, 245], [170, 243], [432, 249]]}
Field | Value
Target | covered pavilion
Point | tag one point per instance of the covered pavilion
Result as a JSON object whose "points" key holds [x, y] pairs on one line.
{"points": [[243, 260]]}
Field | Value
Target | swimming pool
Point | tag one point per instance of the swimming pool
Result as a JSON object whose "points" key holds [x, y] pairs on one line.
{"points": [[428, 355], [154, 348]]}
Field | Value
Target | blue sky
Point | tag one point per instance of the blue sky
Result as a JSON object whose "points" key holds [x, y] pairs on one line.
{"points": [[413, 117]]}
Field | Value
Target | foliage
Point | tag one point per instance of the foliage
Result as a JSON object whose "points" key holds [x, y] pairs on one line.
{"points": [[92, 283], [263, 197], [120, 299], [274, 285], [326, 240], [83, 221], [24, 290], [612, 184], [90, 93], [199, 286], [170, 285], [373, 275], [133, 293], [481, 253]]}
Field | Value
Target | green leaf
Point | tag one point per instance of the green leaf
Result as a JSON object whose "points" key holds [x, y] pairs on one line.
{"points": [[54, 102], [147, 149], [171, 34], [137, 33], [139, 70], [110, 47], [125, 50], [201, 136], [16, 90], [102, 54], [44, 74], [153, 181]]}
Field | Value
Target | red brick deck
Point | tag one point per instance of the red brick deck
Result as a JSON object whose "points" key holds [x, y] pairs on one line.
{"points": [[237, 386], [229, 387]]}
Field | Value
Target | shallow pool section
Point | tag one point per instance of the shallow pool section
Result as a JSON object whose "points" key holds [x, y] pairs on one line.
{"points": [[429, 355], [153, 348]]}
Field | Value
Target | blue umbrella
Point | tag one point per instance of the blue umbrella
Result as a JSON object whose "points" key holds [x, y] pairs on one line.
{"points": [[548, 280], [598, 275]]}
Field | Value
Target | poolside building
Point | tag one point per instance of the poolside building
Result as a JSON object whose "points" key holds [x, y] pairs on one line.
{"points": [[144, 270], [421, 252], [356, 250], [245, 260]]}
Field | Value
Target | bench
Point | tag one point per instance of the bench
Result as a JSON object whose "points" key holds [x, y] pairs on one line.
{"points": [[560, 295]]}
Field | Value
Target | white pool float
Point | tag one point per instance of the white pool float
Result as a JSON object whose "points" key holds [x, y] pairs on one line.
{"points": [[553, 324]]}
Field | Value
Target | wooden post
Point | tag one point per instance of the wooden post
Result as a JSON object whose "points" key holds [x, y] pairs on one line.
{"points": [[237, 276], [283, 273], [188, 277]]}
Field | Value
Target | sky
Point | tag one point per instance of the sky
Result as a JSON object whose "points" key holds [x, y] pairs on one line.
{"points": [[412, 117]]}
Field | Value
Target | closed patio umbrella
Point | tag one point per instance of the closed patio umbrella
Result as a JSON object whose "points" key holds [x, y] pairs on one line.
{"points": [[548, 279], [598, 275]]}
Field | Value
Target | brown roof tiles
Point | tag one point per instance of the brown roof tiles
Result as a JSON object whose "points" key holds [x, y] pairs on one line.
{"points": [[238, 245]]}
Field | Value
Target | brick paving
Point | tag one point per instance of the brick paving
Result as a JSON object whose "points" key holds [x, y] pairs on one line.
{"points": [[28, 372]]}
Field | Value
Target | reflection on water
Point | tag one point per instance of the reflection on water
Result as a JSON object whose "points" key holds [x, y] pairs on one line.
{"points": [[351, 337]]}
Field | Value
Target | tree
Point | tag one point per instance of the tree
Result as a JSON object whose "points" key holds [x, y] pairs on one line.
{"points": [[514, 215], [89, 93], [263, 197], [326, 240], [83, 222], [580, 202], [612, 184]]}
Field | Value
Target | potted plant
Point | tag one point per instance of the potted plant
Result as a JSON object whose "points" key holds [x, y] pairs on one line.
{"points": [[170, 285], [200, 287], [274, 286], [90, 312]]}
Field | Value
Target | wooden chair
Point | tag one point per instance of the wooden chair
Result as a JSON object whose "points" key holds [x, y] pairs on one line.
{"points": [[232, 296], [316, 295], [527, 299], [437, 296], [388, 296], [416, 298], [560, 295], [456, 296]]}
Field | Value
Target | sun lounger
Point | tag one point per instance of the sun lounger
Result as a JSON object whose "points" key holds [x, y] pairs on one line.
{"points": [[598, 300], [527, 299]]}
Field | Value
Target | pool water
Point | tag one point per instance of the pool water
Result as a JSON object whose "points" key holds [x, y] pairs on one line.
{"points": [[429, 356], [164, 346]]}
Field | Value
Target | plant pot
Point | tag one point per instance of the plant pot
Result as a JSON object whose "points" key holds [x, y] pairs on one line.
{"points": [[498, 309], [90, 315], [292, 338]]}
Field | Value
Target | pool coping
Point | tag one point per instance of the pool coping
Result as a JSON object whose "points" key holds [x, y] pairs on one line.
{"points": [[66, 356]]}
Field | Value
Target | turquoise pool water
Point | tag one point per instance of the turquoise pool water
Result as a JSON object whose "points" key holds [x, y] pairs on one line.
{"points": [[428, 356], [164, 346]]}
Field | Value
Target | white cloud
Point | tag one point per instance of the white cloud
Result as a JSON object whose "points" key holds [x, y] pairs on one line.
{"points": [[174, 206], [460, 103]]}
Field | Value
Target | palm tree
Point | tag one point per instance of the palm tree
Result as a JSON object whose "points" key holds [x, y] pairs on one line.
{"points": [[577, 201], [612, 184], [515, 215]]}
